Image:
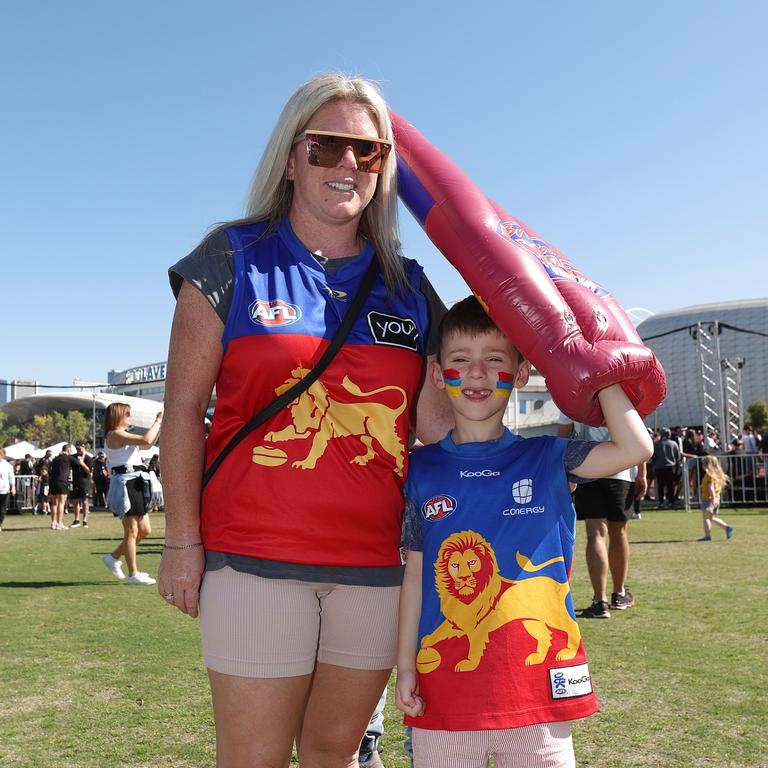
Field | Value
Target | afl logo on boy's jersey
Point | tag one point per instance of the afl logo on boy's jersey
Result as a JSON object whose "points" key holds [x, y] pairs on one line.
{"points": [[438, 507], [273, 312]]}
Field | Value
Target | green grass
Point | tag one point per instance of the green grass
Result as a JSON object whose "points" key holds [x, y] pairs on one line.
{"points": [[95, 673]]}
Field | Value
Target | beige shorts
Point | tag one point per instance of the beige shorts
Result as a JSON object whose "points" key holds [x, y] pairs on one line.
{"points": [[548, 745], [256, 627]]}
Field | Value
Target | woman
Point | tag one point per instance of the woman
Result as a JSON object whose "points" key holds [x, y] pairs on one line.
{"points": [[303, 518], [126, 496]]}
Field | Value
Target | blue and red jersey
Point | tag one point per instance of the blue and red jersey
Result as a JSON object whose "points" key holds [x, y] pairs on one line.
{"points": [[499, 646], [321, 482]]}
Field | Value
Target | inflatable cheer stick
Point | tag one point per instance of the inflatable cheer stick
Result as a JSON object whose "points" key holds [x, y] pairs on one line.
{"points": [[571, 329]]}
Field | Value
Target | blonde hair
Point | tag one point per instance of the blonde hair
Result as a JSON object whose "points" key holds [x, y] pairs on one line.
{"points": [[712, 467], [114, 416], [271, 192]]}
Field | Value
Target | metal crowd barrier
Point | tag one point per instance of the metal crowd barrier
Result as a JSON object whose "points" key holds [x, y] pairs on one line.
{"points": [[25, 493], [748, 484]]}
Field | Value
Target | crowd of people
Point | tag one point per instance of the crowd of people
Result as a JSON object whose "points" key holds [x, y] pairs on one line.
{"points": [[677, 466], [72, 482]]}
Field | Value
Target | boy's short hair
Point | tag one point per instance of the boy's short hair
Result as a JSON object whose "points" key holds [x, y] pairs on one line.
{"points": [[467, 317]]}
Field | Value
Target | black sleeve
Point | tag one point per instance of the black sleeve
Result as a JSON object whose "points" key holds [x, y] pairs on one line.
{"points": [[575, 454], [412, 537], [436, 310], [210, 268]]}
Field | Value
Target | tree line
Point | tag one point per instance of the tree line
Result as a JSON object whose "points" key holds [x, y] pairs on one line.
{"points": [[47, 429]]}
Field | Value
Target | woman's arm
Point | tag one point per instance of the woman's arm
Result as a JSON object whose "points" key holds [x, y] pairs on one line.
{"points": [[630, 443], [194, 358], [118, 438], [407, 696], [434, 417]]}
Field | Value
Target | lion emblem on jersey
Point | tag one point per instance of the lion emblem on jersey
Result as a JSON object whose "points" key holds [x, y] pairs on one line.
{"points": [[476, 600], [318, 418]]}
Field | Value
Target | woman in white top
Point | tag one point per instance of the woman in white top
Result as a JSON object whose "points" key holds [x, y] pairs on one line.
{"points": [[126, 496]]}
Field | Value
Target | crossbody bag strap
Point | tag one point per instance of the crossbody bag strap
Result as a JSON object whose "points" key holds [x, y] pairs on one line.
{"points": [[291, 394]]}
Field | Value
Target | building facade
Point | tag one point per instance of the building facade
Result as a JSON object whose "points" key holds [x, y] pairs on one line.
{"points": [[146, 381]]}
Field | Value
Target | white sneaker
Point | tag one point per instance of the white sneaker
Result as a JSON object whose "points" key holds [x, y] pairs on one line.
{"points": [[115, 567], [140, 578]]}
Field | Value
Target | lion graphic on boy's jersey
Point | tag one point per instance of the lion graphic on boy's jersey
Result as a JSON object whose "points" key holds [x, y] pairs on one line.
{"points": [[476, 600]]}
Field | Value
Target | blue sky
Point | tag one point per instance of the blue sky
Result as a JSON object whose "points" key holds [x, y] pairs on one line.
{"points": [[632, 136]]}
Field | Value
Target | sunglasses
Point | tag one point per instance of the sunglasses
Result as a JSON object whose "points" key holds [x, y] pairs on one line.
{"points": [[326, 148]]}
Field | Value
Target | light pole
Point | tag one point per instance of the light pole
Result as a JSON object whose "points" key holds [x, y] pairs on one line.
{"points": [[93, 386]]}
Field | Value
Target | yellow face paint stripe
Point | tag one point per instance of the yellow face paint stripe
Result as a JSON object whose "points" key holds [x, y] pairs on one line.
{"points": [[452, 379]]}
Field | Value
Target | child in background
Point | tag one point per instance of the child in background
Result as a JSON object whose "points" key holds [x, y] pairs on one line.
{"points": [[43, 507], [712, 485], [490, 657]]}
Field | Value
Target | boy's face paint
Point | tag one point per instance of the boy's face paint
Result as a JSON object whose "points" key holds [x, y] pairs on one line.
{"points": [[505, 384], [480, 367], [452, 379], [480, 372]]}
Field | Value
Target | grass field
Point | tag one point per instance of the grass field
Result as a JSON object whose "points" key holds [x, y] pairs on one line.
{"points": [[96, 673]]}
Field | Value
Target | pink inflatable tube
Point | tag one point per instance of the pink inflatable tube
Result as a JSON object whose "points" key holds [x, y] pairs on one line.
{"points": [[571, 329]]}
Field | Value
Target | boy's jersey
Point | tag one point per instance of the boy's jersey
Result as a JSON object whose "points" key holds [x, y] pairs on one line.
{"points": [[499, 646], [321, 482]]}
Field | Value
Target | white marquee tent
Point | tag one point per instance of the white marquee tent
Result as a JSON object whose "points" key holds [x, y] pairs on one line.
{"points": [[21, 449]]}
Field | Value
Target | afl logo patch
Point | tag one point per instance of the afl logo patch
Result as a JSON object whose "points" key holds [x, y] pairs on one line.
{"points": [[273, 312], [438, 507]]}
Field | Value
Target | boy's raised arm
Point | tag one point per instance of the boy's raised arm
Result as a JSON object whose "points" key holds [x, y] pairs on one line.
{"points": [[407, 696], [630, 443]]}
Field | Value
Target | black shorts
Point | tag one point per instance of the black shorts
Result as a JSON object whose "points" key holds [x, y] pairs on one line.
{"points": [[135, 490], [59, 489], [608, 499], [79, 492]]}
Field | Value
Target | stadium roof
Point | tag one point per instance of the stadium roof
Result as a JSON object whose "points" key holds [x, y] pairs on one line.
{"points": [[23, 409], [742, 339]]}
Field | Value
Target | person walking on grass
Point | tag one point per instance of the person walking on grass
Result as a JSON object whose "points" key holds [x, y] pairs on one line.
{"points": [[127, 498], [82, 471], [61, 467], [605, 505], [711, 487]]}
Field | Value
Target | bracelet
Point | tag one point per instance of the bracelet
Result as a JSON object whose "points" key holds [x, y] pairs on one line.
{"points": [[184, 546]]}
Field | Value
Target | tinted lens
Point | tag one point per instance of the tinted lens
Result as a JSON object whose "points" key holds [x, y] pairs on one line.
{"points": [[326, 151]]}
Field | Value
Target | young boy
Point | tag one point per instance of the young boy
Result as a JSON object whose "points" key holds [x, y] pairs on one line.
{"points": [[490, 658], [42, 507]]}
